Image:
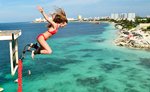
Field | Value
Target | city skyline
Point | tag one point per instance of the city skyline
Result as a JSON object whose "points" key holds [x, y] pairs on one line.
{"points": [[25, 10]]}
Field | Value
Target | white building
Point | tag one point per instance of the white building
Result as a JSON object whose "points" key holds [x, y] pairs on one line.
{"points": [[96, 18], [80, 17], [131, 16], [115, 16], [38, 20], [123, 16], [148, 16], [112, 16], [71, 19]]}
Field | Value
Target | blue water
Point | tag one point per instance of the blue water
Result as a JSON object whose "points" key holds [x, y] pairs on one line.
{"points": [[84, 59]]}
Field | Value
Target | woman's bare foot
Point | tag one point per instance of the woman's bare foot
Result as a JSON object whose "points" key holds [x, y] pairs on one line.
{"points": [[32, 54]]}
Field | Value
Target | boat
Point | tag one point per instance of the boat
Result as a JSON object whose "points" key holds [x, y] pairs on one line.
{"points": [[97, 22]]}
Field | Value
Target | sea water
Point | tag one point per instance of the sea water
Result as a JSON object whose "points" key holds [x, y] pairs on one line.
{"points": [[84, 59]]}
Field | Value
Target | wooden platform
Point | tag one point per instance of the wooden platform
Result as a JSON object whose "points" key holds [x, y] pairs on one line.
{"points": [[12, 36], [7, 34]]}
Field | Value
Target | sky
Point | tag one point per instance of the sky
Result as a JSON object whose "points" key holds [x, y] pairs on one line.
{"points": [[26, 10]]}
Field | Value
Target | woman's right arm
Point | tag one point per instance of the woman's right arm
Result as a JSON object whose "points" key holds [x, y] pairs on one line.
{"points": [[46, 17]]}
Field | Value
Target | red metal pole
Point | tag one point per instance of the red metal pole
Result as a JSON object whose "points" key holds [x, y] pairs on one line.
{"points": [[20, 75]]}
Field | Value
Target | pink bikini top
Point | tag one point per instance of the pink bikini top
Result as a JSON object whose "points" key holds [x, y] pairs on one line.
{"points": [[54, 31]]}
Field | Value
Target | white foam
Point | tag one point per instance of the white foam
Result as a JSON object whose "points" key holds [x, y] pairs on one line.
{"points": [[1, 89]]}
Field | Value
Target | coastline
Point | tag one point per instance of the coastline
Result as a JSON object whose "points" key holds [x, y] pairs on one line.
{"points": [[134, 38]]}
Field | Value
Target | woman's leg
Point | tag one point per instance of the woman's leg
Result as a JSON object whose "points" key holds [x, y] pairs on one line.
{"points": [[45, 48]]}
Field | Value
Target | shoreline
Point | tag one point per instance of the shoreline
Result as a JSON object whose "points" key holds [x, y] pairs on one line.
{"points": [[134, 38]]}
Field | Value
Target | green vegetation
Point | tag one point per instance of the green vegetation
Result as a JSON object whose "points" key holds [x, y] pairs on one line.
{"points": [[148, 28], [132, 24], [142, 20], [127, 24]]}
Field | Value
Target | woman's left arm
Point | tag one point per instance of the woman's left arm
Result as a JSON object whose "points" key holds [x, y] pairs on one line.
{"points": [[46, 17]]}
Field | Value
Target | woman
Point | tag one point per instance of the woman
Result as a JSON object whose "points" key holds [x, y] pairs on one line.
{"points": [[58, 20]]}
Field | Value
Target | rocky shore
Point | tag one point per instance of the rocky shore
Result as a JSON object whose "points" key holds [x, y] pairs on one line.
{"points": [[135, 38]]}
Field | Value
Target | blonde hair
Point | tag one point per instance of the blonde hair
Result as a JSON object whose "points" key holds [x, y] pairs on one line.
{"points": [[60, 16]]}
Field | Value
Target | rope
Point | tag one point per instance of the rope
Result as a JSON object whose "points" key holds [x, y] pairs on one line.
{"points": [[20, 75]]}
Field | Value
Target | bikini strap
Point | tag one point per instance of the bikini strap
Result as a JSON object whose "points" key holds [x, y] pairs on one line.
{"points": [[54, 31]]}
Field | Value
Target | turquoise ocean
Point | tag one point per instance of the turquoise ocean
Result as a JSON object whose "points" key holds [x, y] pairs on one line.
{"points": [[84, 59]]}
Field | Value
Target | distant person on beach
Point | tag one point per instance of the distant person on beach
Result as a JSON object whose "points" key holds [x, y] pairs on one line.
{"points": [[58, 20]]}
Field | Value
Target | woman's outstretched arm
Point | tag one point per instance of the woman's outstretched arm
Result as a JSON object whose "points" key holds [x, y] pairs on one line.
{"points": [[46, 17]]}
